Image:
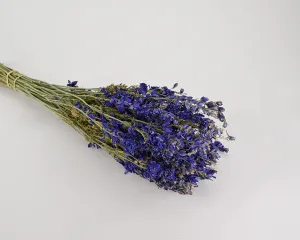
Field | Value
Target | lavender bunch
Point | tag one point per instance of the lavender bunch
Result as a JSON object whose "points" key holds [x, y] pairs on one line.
{"points": [[158, 133]]}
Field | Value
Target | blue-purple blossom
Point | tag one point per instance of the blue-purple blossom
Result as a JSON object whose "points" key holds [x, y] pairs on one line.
{"points": [[78, 105], [221, 109], [72, 84], [166, 136], [204, 99]]}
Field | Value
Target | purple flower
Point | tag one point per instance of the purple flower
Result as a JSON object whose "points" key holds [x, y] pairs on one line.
{"points": [[221, 109], [72, 84], [154, 170], [210, 104], [91, 115], [204, 99], [220, 146], [129, 167], [221, 117], [143, 88], [78, 105]]}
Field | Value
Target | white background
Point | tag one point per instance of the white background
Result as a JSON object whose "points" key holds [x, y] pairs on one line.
{"points": [[245, 53]]}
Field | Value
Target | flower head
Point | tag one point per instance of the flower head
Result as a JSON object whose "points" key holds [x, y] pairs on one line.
{"points": [[72, 84]]}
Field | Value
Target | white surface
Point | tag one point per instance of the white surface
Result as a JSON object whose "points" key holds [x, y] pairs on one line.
{"points": [[245, 53]]}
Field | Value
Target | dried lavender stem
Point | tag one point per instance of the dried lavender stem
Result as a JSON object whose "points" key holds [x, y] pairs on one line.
{"points": [[159, 134]]}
